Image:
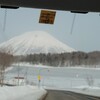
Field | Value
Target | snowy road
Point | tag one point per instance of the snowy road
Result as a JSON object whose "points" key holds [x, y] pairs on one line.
{"points": [[66, 95]]}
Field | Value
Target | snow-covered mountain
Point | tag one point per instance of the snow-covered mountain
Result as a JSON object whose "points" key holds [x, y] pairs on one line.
{"points": [[35, 42]]}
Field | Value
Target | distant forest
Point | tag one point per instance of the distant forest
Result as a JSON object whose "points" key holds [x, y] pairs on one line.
{"points": [[63, 59]]}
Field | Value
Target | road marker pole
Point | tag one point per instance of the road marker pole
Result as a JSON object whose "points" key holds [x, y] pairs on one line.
{"points": [[39, 80]]}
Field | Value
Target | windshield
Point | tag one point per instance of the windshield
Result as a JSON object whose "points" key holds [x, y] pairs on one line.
{"points": [[64, 54]]}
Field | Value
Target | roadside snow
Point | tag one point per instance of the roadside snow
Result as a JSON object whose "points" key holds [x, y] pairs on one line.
{"points": [[93, 91], [21, 93]]}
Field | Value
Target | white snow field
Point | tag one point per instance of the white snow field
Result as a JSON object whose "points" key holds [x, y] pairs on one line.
{"points": [[75, 79], [21, 93]]}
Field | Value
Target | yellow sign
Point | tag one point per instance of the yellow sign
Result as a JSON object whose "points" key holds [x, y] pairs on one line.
{"points": [[39, 77], [47, 17]]}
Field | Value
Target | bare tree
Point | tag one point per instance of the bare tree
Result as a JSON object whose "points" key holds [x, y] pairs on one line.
{"points": [[5, 60], [90, 80]]}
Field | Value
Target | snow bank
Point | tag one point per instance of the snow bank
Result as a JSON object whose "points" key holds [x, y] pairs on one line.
{"points": [[21, 93], [31, 65], [92, 91], [86, 90]]}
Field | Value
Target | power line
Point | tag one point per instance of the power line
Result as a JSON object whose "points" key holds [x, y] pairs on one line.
{"points": [[3, 25], [73, 22], [5, 19]]}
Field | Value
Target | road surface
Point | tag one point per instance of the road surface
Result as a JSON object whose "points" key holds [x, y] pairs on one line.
{"points": [[66, 95]]}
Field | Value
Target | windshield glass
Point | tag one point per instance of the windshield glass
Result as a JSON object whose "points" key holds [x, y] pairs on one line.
{"points": [[60, 55]]}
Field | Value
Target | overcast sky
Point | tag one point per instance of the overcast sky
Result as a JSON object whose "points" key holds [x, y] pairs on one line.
{"points": [[85, 35]]}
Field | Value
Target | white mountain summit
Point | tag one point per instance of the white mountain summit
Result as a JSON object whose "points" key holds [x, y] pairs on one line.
{"points": [[34, 43]]}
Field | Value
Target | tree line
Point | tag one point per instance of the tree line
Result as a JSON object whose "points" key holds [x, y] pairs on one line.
{"points": [[6, 59], [63, 59]]}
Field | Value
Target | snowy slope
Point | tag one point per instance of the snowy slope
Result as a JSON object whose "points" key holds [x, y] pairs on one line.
{"points": [[35, 42]]}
